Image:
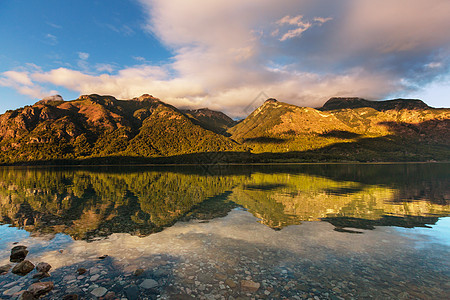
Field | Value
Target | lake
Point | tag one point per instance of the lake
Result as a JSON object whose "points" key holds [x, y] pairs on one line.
{"points": [[300, 231]]}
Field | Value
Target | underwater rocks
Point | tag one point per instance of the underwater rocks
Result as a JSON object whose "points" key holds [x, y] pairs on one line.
{"points": [[43, 267], [23, 268], [4, 269], [40, 288], [249, 286]]}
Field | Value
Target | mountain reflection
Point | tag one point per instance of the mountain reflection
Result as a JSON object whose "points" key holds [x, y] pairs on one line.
{"points": [[87, 203]]}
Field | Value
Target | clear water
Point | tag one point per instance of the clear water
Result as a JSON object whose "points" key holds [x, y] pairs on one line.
{"points": [[326, 231]]}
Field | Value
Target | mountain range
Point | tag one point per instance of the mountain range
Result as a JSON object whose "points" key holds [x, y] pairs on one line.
{"points": [[102, 129]]}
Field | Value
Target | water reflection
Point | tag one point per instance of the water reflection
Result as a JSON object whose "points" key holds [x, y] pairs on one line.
{"points": [[86, 203]]}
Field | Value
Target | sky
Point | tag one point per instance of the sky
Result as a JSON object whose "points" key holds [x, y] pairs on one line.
{"points": [[225, 54]]}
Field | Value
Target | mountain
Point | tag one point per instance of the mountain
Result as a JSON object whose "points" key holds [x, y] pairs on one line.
{"points": [[99, 126], [355, 129], [102, 129], [398, 104], [213, 120]]}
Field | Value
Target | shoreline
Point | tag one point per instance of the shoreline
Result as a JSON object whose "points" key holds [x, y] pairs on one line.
{"points": [[222, 164]]}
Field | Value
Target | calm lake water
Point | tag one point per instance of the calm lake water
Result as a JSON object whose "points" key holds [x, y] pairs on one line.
{"points": [[325, 231]]}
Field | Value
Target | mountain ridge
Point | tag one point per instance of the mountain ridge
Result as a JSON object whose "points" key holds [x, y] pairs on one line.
{"points": [[351, 129]]}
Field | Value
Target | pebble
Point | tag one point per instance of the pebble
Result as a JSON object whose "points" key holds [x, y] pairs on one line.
{"points": [[81, 271], [99, 292], [249, 286], [95, 277], [148, 284], [132, 292], [40, 288], [26, 295], [12, 290], [230, 283], [5, 268]]}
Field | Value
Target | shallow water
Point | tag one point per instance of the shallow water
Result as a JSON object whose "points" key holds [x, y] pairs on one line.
{"points": [[290, 231]]}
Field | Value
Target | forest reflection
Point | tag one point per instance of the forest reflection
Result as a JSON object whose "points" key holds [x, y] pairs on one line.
{"points": [[86, 203]]}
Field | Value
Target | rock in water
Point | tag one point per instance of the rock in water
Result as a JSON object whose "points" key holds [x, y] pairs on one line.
{"points": [[41, 275], [4, 269], [43, 267], [70, 297], [148, 284], [138, 272], [26, 295], [81, 271], [249, 286], [99, 292], [132, 292], [230, 283], [23, 268], [18, 253], [12, 291], [40, 288]]}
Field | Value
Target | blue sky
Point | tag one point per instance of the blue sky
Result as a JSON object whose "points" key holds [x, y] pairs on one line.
{"points": [[222, 54]]}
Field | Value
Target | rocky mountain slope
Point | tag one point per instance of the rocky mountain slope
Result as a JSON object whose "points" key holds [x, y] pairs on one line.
{"points": [[94, 125], [351, 128], [213, 120], [102, 129]]}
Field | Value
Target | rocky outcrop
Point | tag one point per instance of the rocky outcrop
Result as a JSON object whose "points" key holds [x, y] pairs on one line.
{"points": [[354, 102]]}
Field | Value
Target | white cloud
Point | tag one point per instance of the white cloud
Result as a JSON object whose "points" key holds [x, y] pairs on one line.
{"points": [[105, 68], [83, 55], [297, 26], [225, 52], [21, 81], [51, 39]]}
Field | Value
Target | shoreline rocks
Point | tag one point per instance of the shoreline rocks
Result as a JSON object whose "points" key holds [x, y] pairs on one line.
{"points": [[23, 268], [40, 288], [4, 269], [18, 253]]}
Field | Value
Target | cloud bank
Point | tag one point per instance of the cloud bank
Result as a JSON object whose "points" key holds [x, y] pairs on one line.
{"points": [[226, 52]]}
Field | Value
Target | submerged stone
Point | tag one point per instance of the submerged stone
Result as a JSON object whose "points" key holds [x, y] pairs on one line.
{"points": [[23, 268], [249, 286], [132, 292], [5, 269], [40, 288], [41, 275], [43, 267], [138, 272], [12, 291], [26, 295], [99, 292], [149, 284]]}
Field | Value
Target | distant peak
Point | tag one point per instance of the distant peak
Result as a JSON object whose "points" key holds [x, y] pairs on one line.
{"points": [[355, 102], [146, 97], [96, 97], [49, 99]]}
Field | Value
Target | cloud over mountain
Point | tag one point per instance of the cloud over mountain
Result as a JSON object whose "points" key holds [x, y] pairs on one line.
{"points": [[226, 52]]}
